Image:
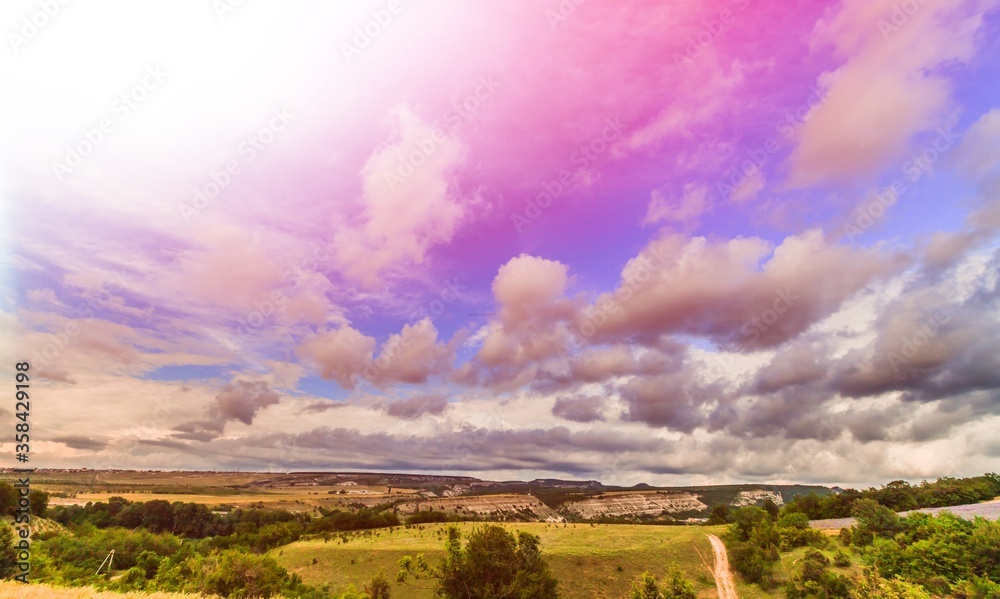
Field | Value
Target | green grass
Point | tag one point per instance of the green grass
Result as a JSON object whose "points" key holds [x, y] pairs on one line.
{"points": [[584, 558]]}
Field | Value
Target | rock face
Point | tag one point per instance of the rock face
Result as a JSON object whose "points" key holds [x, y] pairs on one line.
{"points": [[756, 496], [528, 507], [626, 504]]}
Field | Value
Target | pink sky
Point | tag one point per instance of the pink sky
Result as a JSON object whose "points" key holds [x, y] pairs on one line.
{"points": [[634, 241]]}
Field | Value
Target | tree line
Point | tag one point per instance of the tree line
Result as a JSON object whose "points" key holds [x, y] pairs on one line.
{"points": [[901, 496], [914, 557]]}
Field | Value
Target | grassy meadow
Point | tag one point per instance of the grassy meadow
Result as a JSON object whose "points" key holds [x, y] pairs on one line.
{"points": [[590, 561]]}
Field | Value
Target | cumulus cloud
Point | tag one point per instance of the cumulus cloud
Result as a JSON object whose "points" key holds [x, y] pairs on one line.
{"points": [[677, 285], [410, 201], [240, 400], [341, 354], [412, 355], [535, 313]]}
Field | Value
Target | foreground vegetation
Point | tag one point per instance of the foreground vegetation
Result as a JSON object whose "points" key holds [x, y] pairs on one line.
{"points": [[882, 556], [189, 548], [900, 496], [371, 553], [590, 561]]}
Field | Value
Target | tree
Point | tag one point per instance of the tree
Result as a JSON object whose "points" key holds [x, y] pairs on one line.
{"points": [[493, 565], [39, 502], [771, 508], [746, 519], [869, 585], [8, 552], [645, 588], [378, 588], [235, 573], [677, 587], [796, 520], [874, 519], [8, 499], [720, 515]]}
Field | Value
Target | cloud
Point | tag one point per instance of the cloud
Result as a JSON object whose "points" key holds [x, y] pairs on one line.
{"points": [[695, 200], [888, 89], [975, 156], [341, 354], [239, 400], [317, 407], [681, 286], [668, 401], [412, 355], [81, 442], [409, 198], [415, 407], [749, 188], [579, 409], [228, 271], [534, 312], [462, 449]]}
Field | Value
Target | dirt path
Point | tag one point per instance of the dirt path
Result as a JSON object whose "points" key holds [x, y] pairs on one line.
{"points": [[723, 577]]}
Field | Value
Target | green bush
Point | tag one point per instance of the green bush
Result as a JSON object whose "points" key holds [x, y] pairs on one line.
{"points": [[494, 563]]}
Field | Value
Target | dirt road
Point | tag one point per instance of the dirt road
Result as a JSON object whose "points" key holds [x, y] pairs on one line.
{"points": [[723, 577]]}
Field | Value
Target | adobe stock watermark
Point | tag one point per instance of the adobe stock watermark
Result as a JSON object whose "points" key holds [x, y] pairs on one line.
{"points": [[88, 311], [224, 8], [161, 409], [916, 167], [32, 25], [643, 269], [785, 127], [366, 33], [709, 32], [247, 150], [264, 310], [929, 327], [448, 294], [783, 302], [582, 158], [563, 11], [458, 113], [899, 17], [122, 107]]}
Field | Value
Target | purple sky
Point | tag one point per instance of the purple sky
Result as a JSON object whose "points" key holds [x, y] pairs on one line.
{"points": [[677, 242]]}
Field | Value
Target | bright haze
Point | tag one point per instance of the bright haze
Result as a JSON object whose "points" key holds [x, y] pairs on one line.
{"points": [[664, 242]]}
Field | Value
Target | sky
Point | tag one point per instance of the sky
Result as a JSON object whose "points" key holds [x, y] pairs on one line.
{"points": [[679, 242]]}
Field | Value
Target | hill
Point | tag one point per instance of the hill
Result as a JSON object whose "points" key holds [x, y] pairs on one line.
{"points": [[592, 561]]}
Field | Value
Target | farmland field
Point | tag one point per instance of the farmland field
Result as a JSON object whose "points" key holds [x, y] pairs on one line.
{"points": [[585, 558]]}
